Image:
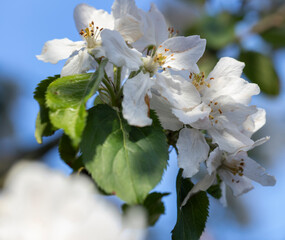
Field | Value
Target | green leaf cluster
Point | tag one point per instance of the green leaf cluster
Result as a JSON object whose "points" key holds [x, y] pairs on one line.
{"points": [[124, 160]]}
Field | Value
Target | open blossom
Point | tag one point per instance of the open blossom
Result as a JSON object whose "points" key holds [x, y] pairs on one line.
{"points": [[236, 169], [90, 23], [177, 53], [40, 204], [224, 105], [217, 104]]}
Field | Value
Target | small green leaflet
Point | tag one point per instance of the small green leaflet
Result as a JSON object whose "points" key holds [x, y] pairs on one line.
{"points": [[153, 205], [43, 125], [215, 191], [191, 218], [67, 97], [124, 160], [69, 154]]}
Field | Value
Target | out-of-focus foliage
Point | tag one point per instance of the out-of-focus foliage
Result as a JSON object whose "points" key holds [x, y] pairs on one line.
{"points": [[259, 69], [8, 93], [228, 26]]}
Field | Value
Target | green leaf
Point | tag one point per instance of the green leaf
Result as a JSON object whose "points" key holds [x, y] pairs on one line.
{"points": [[69, 153], [215, 191], [97, 101], [43, 125], [153, 206], [259, 69], [67, 97], [275, 36], [124, 160], [191, 218]]}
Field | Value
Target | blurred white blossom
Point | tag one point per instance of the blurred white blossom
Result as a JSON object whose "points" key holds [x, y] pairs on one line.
{"points": [[40, 204]]}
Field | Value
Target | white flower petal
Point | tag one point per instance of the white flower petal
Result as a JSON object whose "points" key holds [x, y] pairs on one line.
{"points": [[240, 90], [148, 31], [229, 140], [214, 160], [202, 185], [128, 20], [254, 122], [227, 67], [160, 26], [58, 49], [84, 14], [135, 108], [193, 149], [180, 93], [183, 53], [255, 144], [129, 27], [239, 185], [196, 117], [163, 109], [80, 62], [118, 52], [254, 171], [232, 113], [225, 80], [223, 199], [121, 8]]}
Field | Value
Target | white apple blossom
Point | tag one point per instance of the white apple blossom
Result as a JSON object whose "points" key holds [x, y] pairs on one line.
{"points": [[183, 53], [225, 97], [218, 104], [193, 150], [235, 170], [142, 28], [89, 22], [40, 204]]}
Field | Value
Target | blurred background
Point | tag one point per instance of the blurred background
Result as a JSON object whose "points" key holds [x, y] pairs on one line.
{"points": [[250, 30]]}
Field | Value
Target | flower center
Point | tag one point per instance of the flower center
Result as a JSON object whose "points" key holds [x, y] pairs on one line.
{"points": [[157, 59], [150, 65], [198, 80], [91, 35], [215, 112], [160, 59], [236, 167]]}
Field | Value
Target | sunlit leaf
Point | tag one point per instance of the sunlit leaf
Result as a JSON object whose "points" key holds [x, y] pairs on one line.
{"points": [[124, 160], [67, 97]]}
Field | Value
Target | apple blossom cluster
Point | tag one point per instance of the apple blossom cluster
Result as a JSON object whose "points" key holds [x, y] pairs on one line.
{"points": [[158, 70], [38, 203]]}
